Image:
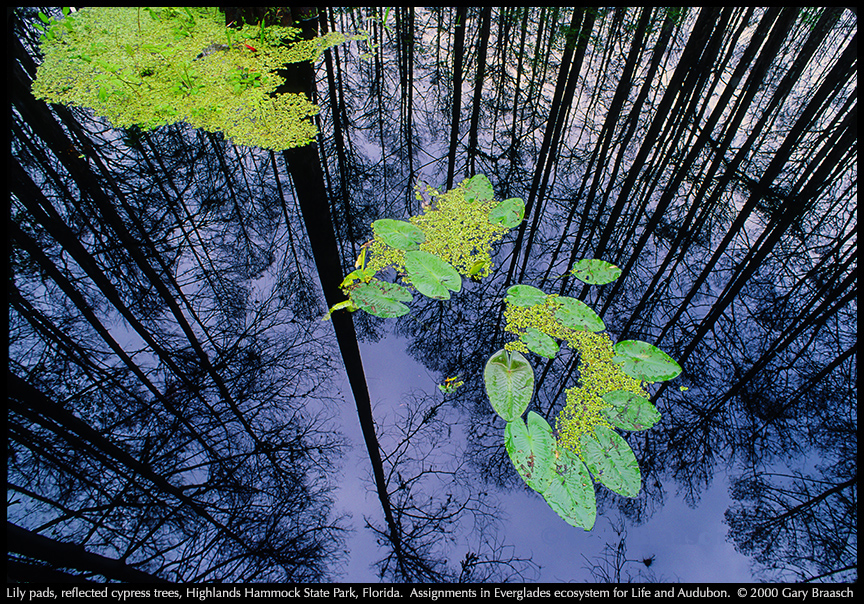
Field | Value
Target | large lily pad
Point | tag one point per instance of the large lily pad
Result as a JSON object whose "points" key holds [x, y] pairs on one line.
{"points": [[509, 212], [611, 461], [432, 276], [381, 299], [478, 188], [645, 361], [525, 295], [571, 491], [509, 381], [575, 314], [630, 411], [531, 449], [399, 234], [540, 343], [595, 272]]}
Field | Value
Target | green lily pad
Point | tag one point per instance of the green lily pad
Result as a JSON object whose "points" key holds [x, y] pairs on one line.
{"points": [[540, 343], [630, 411], [525, 295], [571, 491], [432, 276], [478, 188], [509, 212], [509, 381], [381, 299], [531, 450], [399, 234], [611, 461], [575, 314], [595, 272], [644, 361]]}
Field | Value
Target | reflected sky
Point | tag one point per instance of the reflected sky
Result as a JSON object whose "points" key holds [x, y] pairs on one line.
{"points": [[710, 153]]}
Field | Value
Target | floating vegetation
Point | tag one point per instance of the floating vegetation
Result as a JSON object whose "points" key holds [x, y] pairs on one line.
{"points": [[560, 464], [150, 67], [452, 238]]}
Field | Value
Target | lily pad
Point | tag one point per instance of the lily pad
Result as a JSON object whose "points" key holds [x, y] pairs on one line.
{"points": [[540, 343], [644, 361], [531, 450], [509, 381], [381, 299], [575, 314], [571, 491], [525, 295], [611, 461], [399, 234], [630, 411], [478, 188], [595, 272], [432, 276], [509, 212]]}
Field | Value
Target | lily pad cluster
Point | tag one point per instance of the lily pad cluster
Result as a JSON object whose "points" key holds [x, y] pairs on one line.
{"points": [[562, 477], [430, 253], [153, 66], [561, 465], [451, 239]]}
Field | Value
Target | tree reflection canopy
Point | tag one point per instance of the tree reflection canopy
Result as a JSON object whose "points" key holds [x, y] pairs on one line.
{"points": [[172, 398]]}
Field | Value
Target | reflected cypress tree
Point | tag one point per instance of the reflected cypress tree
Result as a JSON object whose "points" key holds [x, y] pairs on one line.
{"points": [[613, 566], [600, 153], [433, 498], [63, 555], [711, 152], [797, 527], [186, 443], [571, 65], [801, 523], [480, 72], [707, 217], [711, 40]]}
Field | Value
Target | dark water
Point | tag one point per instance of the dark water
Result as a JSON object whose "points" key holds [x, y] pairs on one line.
{"points": [[177, 402]]}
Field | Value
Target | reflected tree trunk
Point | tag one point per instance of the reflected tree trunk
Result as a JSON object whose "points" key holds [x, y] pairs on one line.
{"points": [[700, 213], [65, 555], [456, 112], [770, 49], [710, 152], [552, 125], [304, 166], [836, 78], [597, 162], [558, 120], [477, 103], [702, 31]]}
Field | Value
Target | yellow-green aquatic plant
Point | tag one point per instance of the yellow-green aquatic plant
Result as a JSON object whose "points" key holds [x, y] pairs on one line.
{"points": [[452, 239], [559, 464], [150, 67], [541, 320], [431, 252]]}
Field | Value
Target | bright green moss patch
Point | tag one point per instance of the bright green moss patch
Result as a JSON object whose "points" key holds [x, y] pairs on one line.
{"points": [[157, 66], [457, 231], [599, 374]]}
